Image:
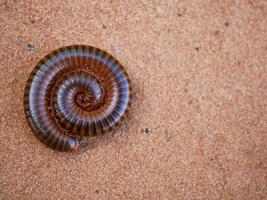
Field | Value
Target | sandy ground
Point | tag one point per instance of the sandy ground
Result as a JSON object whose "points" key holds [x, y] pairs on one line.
{"points": [[198, 124]]}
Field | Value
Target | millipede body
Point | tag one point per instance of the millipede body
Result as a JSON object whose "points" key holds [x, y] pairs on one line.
{"points": [[76, 92]]}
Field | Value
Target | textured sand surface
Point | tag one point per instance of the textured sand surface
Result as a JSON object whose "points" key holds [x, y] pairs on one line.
{"points": [[198, 124]]}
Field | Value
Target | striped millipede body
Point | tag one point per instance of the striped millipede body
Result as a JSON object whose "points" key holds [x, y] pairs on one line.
{"points": [[76, 92]]}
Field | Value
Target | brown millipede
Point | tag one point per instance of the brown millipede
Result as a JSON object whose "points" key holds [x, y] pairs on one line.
{"points": [[75, 92]]}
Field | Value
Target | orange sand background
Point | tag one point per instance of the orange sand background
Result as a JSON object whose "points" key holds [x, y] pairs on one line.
{"points": [[198, 70]]}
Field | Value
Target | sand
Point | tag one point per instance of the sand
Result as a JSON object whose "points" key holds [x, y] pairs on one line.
{"points": [[198, 124]]}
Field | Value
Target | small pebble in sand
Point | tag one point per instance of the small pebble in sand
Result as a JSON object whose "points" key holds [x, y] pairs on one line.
{"points": [[117, 49], [168, 135]]}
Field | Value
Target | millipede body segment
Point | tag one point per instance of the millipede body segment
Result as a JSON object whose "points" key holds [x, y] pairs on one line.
{"points": [[75, 92]]}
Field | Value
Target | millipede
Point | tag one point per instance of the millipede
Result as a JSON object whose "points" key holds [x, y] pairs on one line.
{"points": [[76, 92]]}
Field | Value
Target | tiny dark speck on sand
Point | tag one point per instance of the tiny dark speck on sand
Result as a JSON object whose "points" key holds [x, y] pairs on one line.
{"points": [[197, 48], [217, 33], [104, 26], [31, 47], [226, 24], [97, 191], [145, 130], [179, 15]]}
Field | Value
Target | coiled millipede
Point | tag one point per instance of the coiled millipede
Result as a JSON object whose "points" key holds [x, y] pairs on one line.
{"points": [[76, 92]]}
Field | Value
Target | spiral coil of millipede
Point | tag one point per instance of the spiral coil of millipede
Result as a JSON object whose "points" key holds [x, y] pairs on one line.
{"points": [[76, 92]]}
